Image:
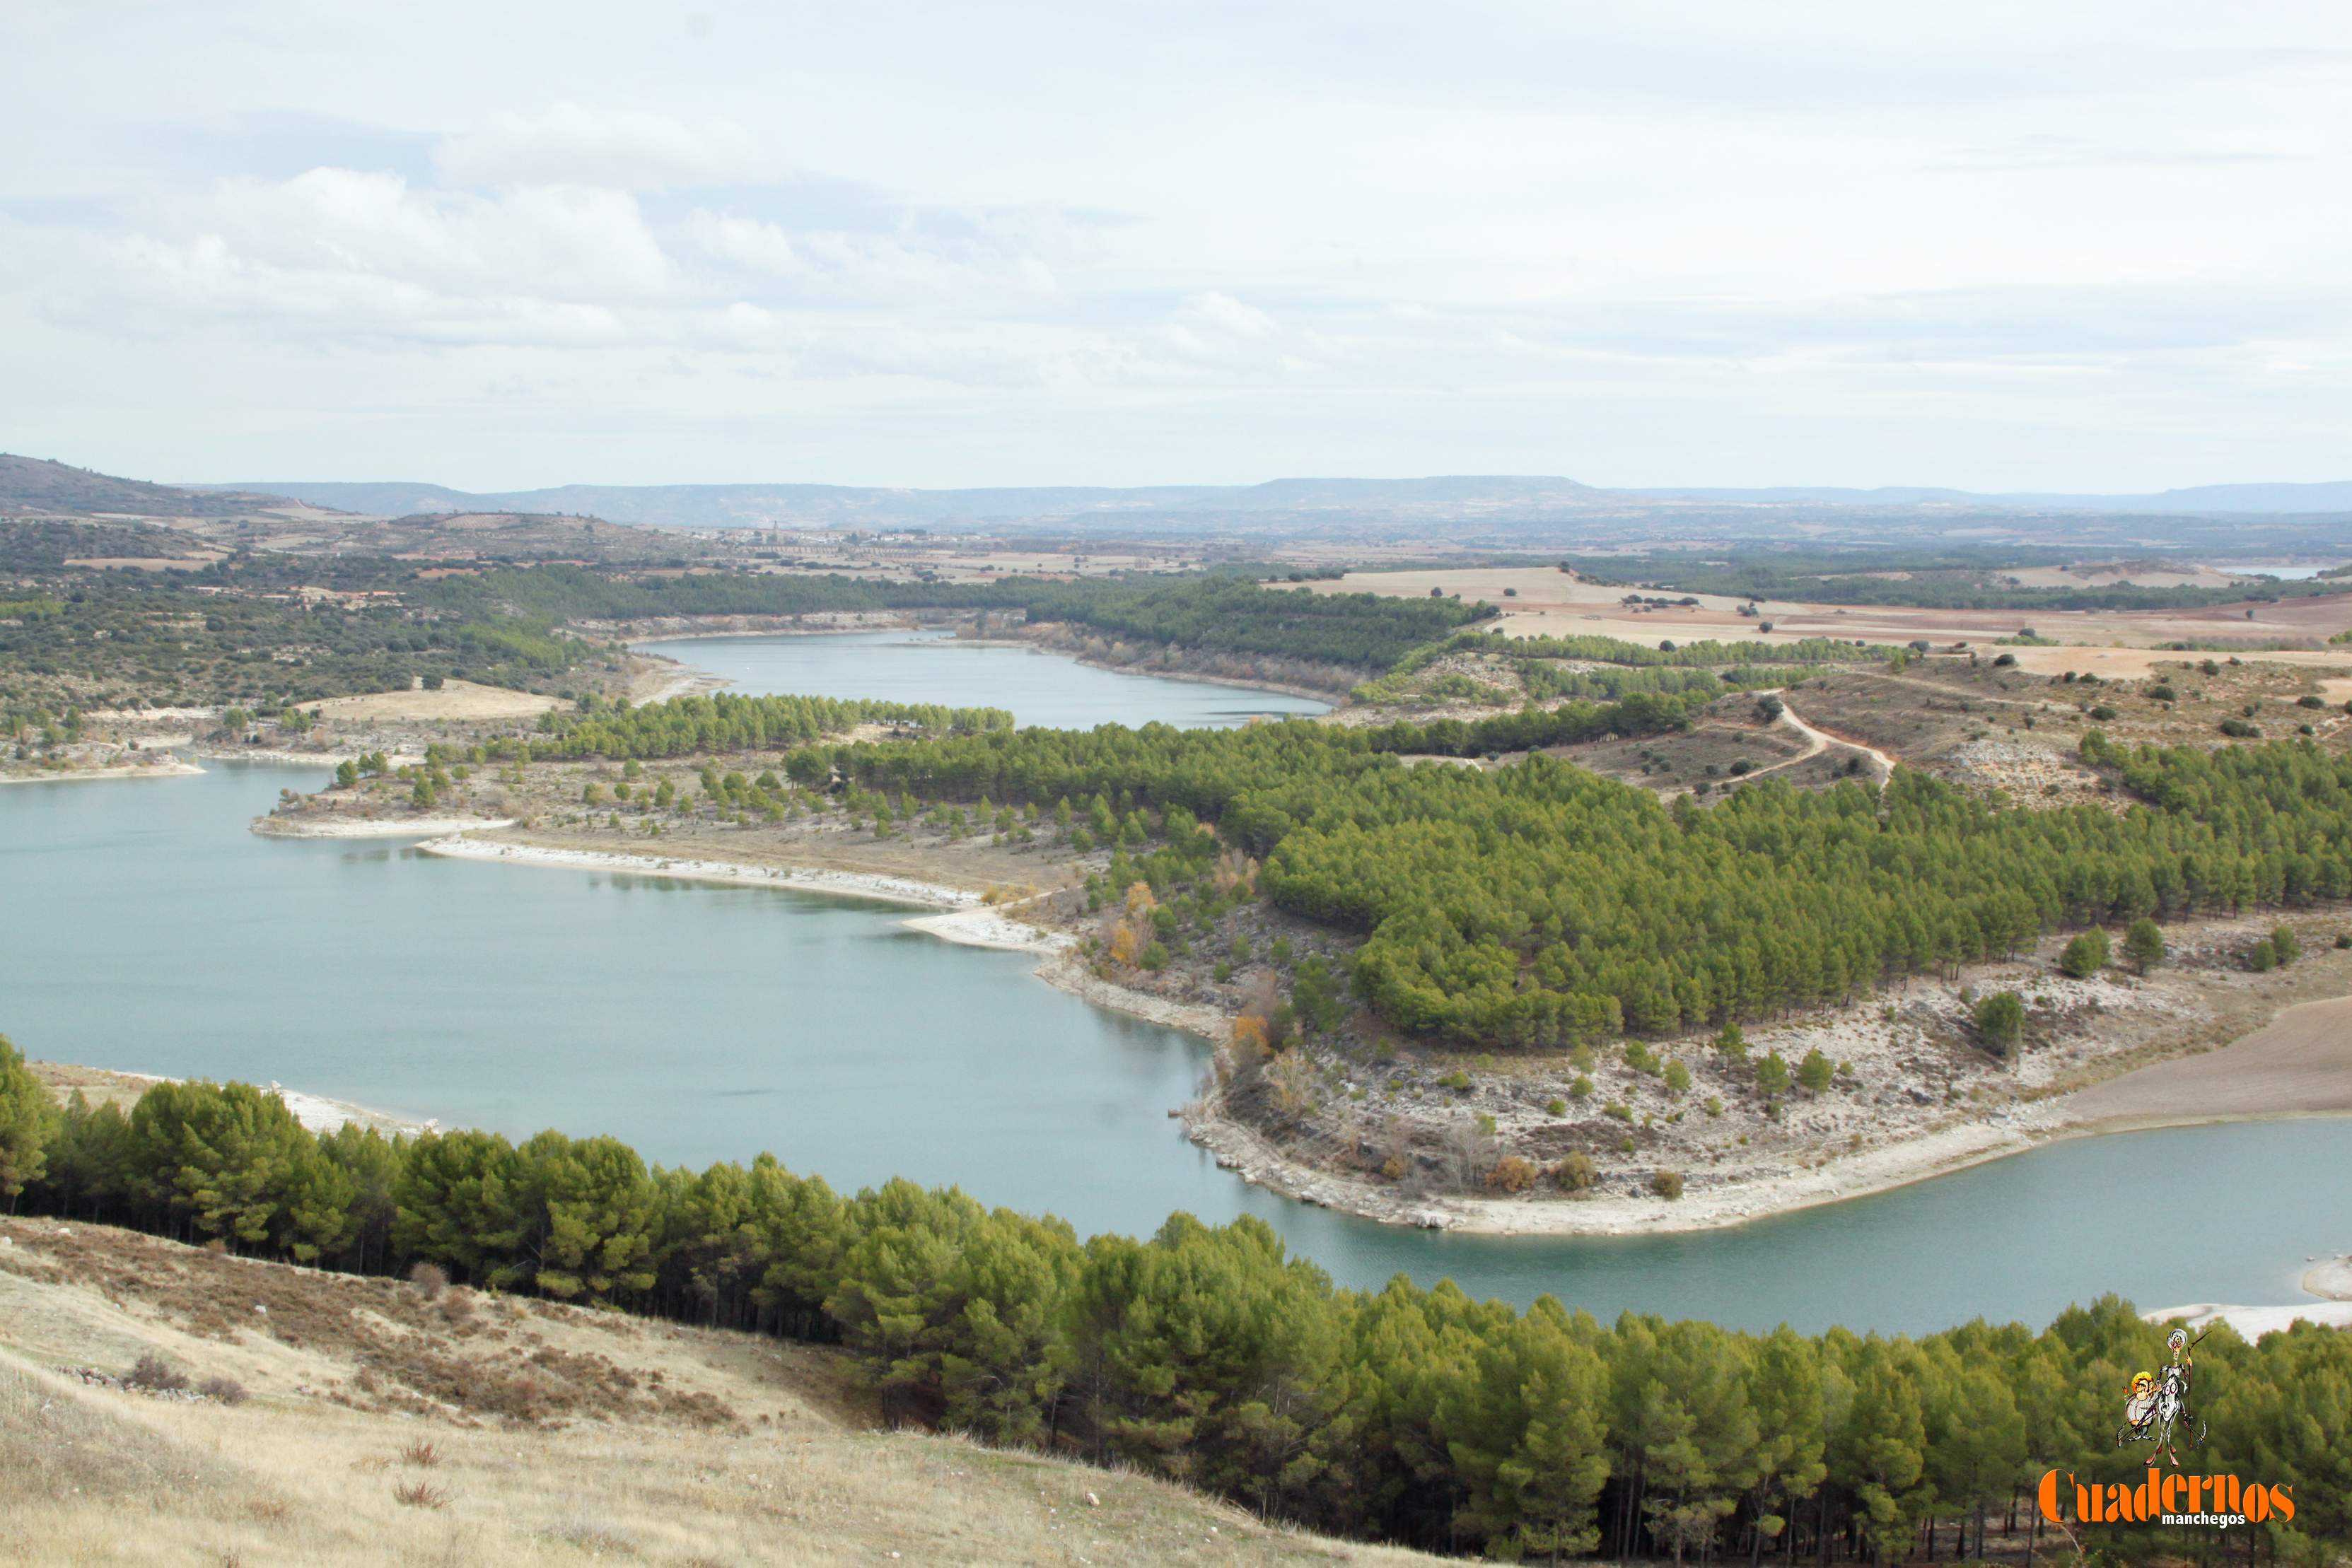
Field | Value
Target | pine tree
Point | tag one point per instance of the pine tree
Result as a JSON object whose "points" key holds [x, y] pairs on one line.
{"points": [[30, 1124]]}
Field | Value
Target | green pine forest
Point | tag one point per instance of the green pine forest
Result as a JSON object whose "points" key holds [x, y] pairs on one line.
{"points": [[1540, 904], [1208, 1355]]}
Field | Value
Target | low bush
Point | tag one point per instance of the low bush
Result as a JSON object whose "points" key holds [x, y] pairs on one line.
{"points": [[155, 1374], [228, 1390], [1575, 1171]]}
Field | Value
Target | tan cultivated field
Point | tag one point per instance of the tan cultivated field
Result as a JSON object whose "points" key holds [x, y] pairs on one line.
{"points": [[1542, 602], [385, 1426], [455, 700]]}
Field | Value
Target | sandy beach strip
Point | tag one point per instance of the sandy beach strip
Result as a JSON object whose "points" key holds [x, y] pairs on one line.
{"points": [[101, 1085], [2252, 1322], [986, 928], [373, 827], [867, 886], [85, 775]]}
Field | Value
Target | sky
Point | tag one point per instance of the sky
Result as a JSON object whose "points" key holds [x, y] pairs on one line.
{"points": [[2102, 246]]}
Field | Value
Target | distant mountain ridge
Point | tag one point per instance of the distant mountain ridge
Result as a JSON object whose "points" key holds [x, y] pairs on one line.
{"points": [[35, 487], [2198, 500], [1437, 499], [854, 505]]}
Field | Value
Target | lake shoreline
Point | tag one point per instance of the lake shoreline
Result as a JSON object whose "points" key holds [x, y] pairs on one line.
{"points": [[317, 1113], [961, 916], [176, 769], [2272, 1065], [869, 885]]}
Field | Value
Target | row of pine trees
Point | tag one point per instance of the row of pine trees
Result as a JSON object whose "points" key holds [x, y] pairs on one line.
{"points": [[1209, 1355]]}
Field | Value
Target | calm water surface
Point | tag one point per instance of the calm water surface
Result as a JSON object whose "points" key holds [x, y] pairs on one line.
{"points": [[1044, 689], [142, 927]]}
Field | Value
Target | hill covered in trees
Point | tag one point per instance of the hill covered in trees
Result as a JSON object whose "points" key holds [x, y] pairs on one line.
{"points": [[1208, 1354], [1540, 904]]}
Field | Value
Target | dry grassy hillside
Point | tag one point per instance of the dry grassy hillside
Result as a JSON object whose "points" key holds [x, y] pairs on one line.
{"points": [[380, 1423]]}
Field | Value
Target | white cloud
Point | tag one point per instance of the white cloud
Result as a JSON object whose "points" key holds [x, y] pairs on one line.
{"points": [[631, 149], [1221, 312], [1839, 242], [744, 242], [571, 242]]}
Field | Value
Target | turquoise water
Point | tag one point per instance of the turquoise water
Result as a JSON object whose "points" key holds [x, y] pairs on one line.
{"points": [[142, 927], [1042, 689]]}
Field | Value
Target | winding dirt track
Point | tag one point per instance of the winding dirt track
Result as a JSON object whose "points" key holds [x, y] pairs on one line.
{"points": [[1820, 740]]}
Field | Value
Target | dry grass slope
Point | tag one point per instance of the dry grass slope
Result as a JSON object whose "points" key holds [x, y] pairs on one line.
{"points": [[384, 1427]]}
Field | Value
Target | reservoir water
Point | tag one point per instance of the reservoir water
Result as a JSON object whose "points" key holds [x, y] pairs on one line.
{"points": [[142, 927], [1042, 689]]}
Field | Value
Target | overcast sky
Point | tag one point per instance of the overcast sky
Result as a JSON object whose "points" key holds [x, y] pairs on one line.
{"points": [[2103, 244]]}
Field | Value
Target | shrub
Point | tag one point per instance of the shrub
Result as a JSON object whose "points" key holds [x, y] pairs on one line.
{"points": [[155, 1374], [1555, 1106], [2086, 955], [1714, 1105], [421, 1453], [419, 1494], [228, 1390], [1816, 1071], [1617, 1109], [2163, 692], [1668, 1185], [1581, 1089], [2238, 729], [429, 1279], [1678, 1078], [1575, 1171], [2102, 713], [1772, 1073], [2262, 958], [2283, 943], [2003, 661], [1511, 1174], [2001, 1022]]}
